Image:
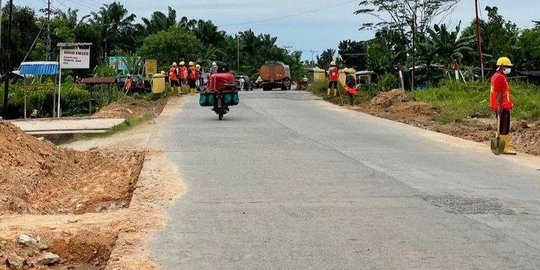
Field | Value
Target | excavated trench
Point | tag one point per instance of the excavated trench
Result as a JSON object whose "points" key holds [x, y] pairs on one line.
{"points": [[40, 185]]}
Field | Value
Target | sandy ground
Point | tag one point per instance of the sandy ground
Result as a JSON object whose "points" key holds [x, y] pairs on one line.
{"points": [[114, 239], [129, 106], [394, 105]]}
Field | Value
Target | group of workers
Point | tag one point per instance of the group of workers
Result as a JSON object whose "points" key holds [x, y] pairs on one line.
{"points": [[190, 75], [333, 80]]}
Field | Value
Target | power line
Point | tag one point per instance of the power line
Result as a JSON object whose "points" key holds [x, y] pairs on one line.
{"points": [[84, 4], [292, 15]]}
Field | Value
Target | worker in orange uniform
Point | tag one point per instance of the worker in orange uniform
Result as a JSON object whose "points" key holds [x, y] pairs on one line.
{"points": [[333, 78], [350, 85], [182, 71], [501, 100], [128, 84], [192, 78], [173, 78]]}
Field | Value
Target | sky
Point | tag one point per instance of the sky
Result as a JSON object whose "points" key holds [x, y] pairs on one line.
{"points": [[300, 25]]}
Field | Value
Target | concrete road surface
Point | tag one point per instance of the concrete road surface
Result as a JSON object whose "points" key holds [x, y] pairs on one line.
{"points": [[286, 181]]}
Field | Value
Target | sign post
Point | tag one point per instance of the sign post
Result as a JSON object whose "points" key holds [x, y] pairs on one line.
{"points": [[150, 67], [72, 56]]}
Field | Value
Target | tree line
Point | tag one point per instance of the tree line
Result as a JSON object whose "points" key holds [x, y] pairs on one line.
{"points": [[167, 37], [406, 32]]}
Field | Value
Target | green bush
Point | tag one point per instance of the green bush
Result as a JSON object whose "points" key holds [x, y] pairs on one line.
{"points": [[388, 82], [75, 100]]}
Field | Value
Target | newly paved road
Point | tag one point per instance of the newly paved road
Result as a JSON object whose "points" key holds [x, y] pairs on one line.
{"points": [[289, 182]]}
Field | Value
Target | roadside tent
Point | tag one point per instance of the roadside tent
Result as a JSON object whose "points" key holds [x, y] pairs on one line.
{"points": [[29, 69]]}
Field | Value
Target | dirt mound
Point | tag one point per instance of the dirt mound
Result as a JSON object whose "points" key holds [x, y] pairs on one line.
{"points": [[526, 138], [38, 178], [396, 105], [387, 99], [128, 106]]}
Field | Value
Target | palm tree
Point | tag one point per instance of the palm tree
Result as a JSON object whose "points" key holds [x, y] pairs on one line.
{"points": [[449, 46], [207, 32], [157, 22], [325, 58], [116, 27]]}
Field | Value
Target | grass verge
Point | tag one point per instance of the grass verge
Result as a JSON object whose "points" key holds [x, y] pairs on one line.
{"points": [[458, 100], [128, 124]]}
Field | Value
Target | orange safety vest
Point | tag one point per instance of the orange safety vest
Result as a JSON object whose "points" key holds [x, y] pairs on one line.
{"points": [[500, 85], [192, 74], [183, 72], [334, 74], [172, 73]]}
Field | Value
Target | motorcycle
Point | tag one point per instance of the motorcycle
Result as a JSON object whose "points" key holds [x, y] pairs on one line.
{"points": [[220, 93]]}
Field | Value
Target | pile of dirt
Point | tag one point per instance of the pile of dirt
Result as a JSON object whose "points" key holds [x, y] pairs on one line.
{"points": [[89, 248], [129, 106], [396, 105], [38, 178], [526, 137]]}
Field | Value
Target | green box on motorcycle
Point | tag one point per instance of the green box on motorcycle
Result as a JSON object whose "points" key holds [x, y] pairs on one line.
{"points": [[209, 99]]}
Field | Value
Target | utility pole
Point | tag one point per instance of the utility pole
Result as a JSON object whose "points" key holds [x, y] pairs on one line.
{"points": [[8, 65], [479, 39], [238, 52], [49, 45], [1, 13], [414, 46], [313, 59]]}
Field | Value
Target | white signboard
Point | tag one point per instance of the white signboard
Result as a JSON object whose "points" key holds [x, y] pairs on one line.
{"points": [[75, 58]]}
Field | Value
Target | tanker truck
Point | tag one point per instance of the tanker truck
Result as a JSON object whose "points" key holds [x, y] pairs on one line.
{"points": [[275, 75]]}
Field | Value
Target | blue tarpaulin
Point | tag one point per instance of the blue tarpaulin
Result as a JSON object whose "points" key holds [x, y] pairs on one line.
{"points": [[39, 68]]}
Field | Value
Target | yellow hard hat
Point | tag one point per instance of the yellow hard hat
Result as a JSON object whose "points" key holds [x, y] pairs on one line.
{"points": [[182, 63], [162, 72], [346, 70], [504, 61], [191, 63], [333, 63], [198, 66], [174, 64]]}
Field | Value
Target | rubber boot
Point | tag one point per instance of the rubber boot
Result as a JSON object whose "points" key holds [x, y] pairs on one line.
{"points": [[507, 150], [328, 92], [179, 90], [335, 92]]}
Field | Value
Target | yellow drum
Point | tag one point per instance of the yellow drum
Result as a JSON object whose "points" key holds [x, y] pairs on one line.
{"points": [[158, 83]]}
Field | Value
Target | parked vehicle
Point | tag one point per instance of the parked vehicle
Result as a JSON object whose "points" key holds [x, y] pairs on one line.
{"points": [[138, 83], [275, 75], [248, 86]]}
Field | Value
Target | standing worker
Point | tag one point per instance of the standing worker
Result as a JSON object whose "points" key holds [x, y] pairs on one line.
{"points": [[200, 78], [128, 84], [501, 101], [350, 85], [173, 78], [214, 68], [192, 78], [333, 78], [182, 71]]}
